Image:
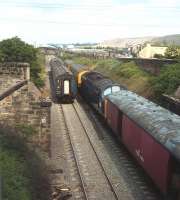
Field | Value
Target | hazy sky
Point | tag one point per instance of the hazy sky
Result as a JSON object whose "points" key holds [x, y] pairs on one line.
{"points": [[66, 21]]}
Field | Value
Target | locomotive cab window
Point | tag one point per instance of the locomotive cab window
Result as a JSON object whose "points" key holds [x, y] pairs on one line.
{"points": [[107, 91], [115, 89]]}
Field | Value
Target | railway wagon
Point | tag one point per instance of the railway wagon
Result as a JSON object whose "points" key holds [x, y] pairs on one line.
{"points": [[78, 70], [63, 80], [151, 134], [95, 86]]}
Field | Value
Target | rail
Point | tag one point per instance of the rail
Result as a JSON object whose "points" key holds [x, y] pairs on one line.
{"points": [[75, 157], [109, 181]]}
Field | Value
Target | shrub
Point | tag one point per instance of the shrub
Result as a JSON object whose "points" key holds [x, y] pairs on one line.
{"points": [[168, 80], [22, 171], [15, 50], [13, 170], [26, 129], [172, 52]]}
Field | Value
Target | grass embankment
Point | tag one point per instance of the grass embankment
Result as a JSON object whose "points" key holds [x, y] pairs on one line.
{"points": [[127, 74], [22, 172], [79, 59], [136, 79], [38, 70]]}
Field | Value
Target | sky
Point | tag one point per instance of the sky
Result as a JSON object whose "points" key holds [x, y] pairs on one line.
{"points": [[67, 21]]}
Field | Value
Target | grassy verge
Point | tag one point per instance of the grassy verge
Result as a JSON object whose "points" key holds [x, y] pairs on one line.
{"points": [[22, 171], [67, 56], [128, 74], [38, 70]]}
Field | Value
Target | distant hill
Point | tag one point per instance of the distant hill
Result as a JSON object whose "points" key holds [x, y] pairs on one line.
{"points": [[126, 42], [167, 40]]}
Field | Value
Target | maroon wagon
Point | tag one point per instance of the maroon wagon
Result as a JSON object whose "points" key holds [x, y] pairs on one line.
{"points": [[150, 133]]}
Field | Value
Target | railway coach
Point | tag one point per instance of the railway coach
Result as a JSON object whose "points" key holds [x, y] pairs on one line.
{"points": [[63, 81], [151, 134]]}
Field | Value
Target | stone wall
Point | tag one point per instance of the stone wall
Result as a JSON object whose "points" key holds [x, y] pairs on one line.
{"points": [[15, 70], [24, 106], [12, 73]]}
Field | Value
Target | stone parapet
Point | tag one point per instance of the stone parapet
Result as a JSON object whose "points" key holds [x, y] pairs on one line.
{"points": [[23, 107], [15, 70]]}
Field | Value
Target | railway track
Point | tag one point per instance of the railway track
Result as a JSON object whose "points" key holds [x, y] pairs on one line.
{"points": [[94, 150], [98, 168], [93, 180], [72, 169]]}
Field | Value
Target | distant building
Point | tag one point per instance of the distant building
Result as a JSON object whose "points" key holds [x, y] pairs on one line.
{"points": [[48, 49], [70, 46], [149, 51]]}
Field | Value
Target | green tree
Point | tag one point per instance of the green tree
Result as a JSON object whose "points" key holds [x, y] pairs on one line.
{"points": [[172, 52], [168, 80], [15, 50]]}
